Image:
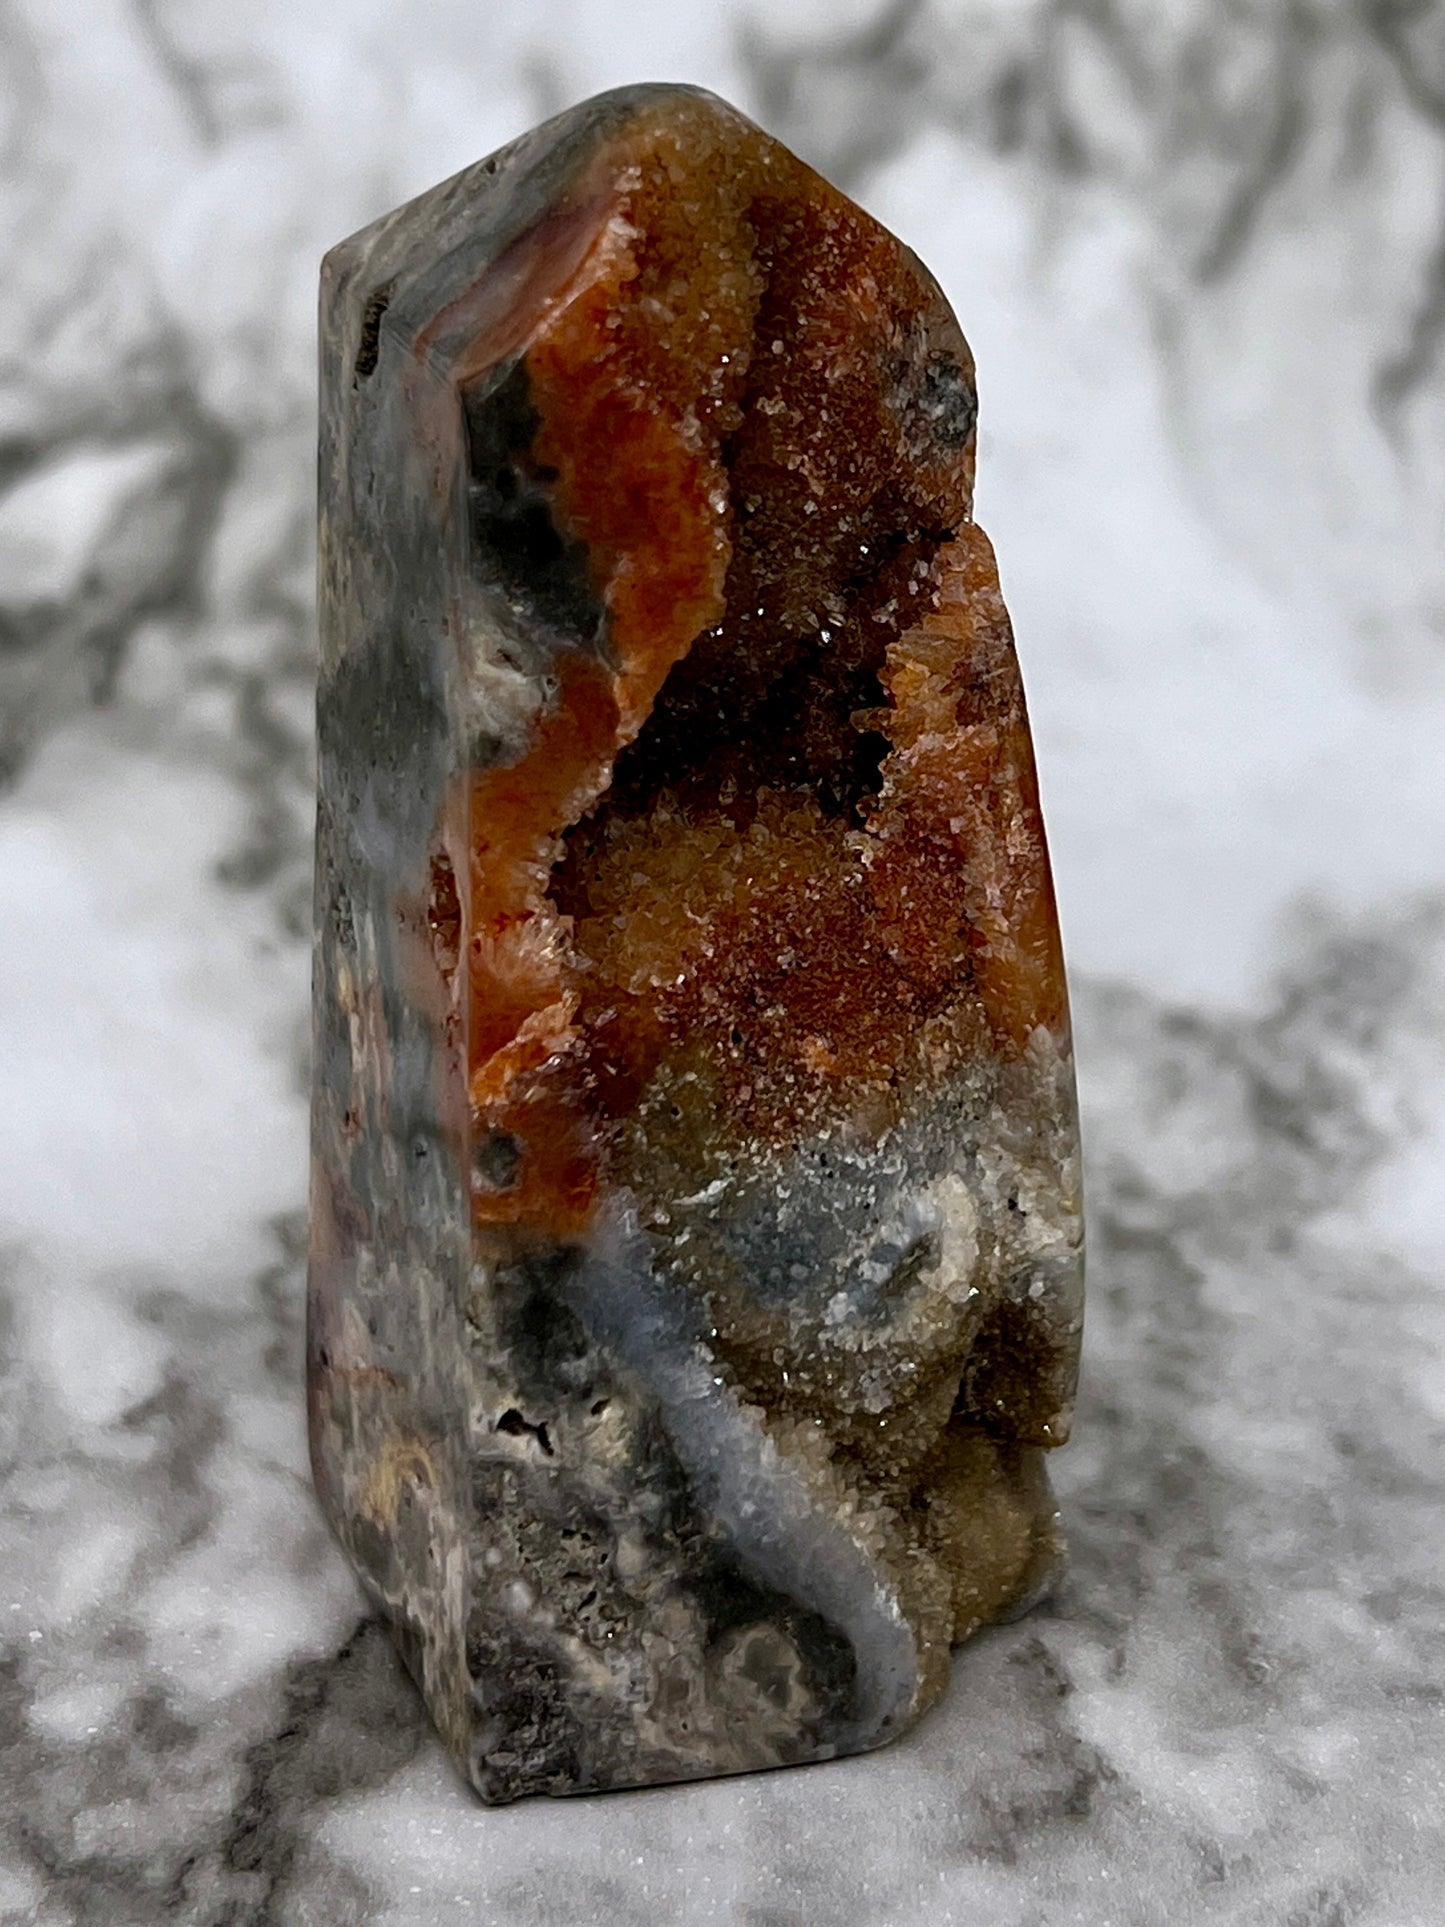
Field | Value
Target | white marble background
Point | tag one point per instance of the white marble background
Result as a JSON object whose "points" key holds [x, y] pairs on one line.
{"points": [[1199, 247]]}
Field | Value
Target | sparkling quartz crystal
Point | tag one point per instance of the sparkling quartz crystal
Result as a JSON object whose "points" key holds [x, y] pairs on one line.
{"points": [[696, 1255]]}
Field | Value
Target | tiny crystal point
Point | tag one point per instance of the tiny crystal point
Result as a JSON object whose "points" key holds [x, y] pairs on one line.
{"points": [[696, 1264]]}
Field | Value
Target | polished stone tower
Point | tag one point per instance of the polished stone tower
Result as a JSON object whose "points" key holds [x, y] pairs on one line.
{"points": [[696, 1249]]}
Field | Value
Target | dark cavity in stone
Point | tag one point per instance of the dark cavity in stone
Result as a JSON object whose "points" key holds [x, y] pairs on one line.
{"points": [[368, 354], [496, 1158], [517, 545]]}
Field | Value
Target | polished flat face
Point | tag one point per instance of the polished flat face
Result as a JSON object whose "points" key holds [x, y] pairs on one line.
{"points": [[696, 1240]]}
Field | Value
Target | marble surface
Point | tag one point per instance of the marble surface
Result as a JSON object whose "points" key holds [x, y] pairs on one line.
{"points": [[1200, 254]]}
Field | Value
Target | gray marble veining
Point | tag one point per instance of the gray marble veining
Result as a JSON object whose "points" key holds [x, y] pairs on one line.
{"points": [[1200, 258]]}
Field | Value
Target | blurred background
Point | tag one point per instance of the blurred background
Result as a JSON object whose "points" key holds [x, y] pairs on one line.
{"points": [[1198, 247]]}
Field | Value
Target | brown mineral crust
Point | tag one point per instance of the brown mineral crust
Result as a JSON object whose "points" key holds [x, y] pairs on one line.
{"points": [[989, 1501], [959, 871]]}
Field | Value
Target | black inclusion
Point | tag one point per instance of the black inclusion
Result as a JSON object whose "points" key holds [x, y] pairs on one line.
{"points": [[545, 1345], [516, 543], [368, 352], [947, 402]]}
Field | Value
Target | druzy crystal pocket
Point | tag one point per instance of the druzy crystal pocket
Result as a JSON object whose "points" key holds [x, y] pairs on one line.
{"points": [[695, 1280]]}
